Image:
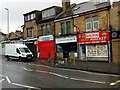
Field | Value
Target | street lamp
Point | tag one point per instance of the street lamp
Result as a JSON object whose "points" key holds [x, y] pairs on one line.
{"points": [[7, 21]]}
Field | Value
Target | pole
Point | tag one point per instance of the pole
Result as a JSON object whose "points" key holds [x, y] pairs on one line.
{"points": [[7, 21]]}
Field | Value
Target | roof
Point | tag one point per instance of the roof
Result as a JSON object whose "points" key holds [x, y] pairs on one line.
{"points": [[34, 11], [50, 8], [83, 8]]}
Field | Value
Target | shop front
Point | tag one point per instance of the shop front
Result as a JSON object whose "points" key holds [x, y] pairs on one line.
{"points": [[46, 47], [30, 43], [66, 46], [94, 46]]}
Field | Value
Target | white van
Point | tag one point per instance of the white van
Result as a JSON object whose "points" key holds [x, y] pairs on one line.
{"points": [[18, 51]]}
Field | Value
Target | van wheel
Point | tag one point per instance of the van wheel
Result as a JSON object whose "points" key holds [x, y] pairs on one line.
{"points": [[20, 59], [8, 58]]}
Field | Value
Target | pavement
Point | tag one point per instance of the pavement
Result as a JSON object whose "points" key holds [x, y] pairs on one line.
{"points": [[93, 66]]}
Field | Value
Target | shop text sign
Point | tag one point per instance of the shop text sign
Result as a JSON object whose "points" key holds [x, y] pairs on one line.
{"points": [[46, 38], [66, 39], [95, 37]]}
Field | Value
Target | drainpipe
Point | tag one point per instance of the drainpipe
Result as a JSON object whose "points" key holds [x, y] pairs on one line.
{"points": [[55, 46]]}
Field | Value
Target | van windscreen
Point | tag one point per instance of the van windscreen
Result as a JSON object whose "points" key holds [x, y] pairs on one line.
{"points": [[24, 50]]}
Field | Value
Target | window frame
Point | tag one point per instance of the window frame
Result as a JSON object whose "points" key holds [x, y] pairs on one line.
{"points": [[62, 28], [68, 27], [28, 32]]}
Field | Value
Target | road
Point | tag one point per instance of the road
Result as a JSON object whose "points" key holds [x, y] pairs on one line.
{"points": [[29, 75]]}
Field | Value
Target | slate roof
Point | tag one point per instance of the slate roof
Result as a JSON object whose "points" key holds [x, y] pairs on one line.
{"points": [[82, 8]]}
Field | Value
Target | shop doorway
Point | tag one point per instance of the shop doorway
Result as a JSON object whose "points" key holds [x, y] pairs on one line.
{"points": [[82, 52]]}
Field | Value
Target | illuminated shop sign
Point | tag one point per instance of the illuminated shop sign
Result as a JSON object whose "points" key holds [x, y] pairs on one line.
{"points": [[96, 37], [66, 39], [45, 38]]}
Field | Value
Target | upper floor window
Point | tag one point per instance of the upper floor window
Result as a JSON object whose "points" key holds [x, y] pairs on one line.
{"points": [[88, 24], [29, 32], [95, 22], [62, 28], [29, 17], [92, 23], [33, 16], [44, 30], [68, 27], [48, 13], [48, 29]]}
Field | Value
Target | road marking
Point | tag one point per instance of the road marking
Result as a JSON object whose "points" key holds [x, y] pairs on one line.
{"points": [[8, 79], [25, 68], [114, 83], [86, 80], [26, 86], [102, 74], [88, 72], [58, 75], [41, 71], [2, 80], [30, 70]]}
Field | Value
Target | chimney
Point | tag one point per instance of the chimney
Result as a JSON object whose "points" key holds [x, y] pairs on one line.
{"points": [[65, 5]]}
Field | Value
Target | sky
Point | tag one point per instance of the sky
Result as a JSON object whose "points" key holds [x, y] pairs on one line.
{"points": [[19, 7]]}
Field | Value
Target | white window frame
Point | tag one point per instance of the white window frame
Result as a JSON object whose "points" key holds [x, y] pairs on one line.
{"points": [[90, 25]]}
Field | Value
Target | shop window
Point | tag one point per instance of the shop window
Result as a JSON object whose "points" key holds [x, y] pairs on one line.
{"points": [[29, 32], [62, 28], [68, 27], [97, 50]]}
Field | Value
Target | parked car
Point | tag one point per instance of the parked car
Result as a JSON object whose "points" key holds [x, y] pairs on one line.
{"points": [[18, 51]]}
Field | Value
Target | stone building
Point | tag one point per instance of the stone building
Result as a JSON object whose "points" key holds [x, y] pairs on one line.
{"points": [[81, 20], [115, 23]]}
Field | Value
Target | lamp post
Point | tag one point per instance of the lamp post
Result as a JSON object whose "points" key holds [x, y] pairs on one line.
{"points": [[7, 22]]}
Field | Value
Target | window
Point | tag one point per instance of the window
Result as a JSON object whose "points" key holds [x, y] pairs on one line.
{"points": [[97, 50], [95, 22], [88, 24], [48, 29], [26, 18], [32, 16], [68, 27], [62, 28], [29, 16], [44, 30], [29, 33], [92, 23], [17, 50]]}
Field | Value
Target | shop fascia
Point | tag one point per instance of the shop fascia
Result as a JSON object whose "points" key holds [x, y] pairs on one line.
{"points": [[68, 39], [46, 38]]}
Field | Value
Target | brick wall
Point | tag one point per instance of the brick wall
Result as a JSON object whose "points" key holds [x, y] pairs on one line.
{"points": [[30, 24], [116, 51]]}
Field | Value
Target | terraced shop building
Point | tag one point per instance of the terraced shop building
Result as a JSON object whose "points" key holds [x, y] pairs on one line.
{"points": [[89, 23]]}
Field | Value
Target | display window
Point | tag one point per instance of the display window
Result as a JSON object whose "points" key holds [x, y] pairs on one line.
{"points": [[97, 50]]}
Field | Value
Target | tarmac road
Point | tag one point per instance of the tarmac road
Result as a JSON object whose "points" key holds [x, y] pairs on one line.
{"points": [[29, 75]]}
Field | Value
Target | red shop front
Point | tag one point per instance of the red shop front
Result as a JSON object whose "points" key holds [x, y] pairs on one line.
{"points": [[46, 47]]}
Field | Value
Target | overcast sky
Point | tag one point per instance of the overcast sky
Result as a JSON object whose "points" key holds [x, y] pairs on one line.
{"points": [[18, 7]]}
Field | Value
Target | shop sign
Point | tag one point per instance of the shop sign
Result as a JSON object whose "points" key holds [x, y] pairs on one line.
{"points": [[46, 38], [115, 34], [66, 39], [95, 37]]}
